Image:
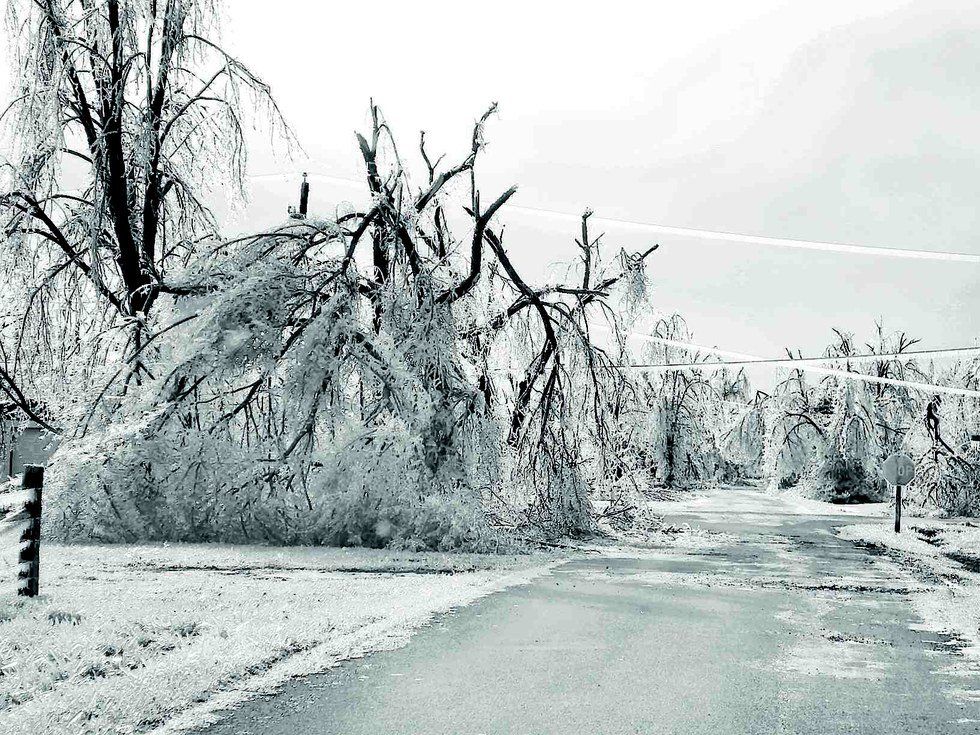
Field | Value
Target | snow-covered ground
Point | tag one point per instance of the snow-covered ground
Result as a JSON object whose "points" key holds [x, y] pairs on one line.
{"points": [[743, 502], [947, 553], [159, 638]]}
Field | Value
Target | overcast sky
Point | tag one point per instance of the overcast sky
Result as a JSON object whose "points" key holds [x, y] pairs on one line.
{"points": [[845, 121]]}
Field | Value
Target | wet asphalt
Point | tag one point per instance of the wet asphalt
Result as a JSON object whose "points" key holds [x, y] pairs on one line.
{"points": [[765, 623]]}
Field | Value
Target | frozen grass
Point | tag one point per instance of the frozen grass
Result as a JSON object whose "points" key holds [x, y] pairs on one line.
{"points": [[955, 536], [132, 638]]}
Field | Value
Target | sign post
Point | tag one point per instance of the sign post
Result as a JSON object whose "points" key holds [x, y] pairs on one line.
{"points": [[898, 509], [898, 470], [30, 553]]}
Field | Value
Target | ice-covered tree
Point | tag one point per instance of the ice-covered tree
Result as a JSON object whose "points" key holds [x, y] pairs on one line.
{"points": [[126, 118], [383, 377], [833, 433], [684, 424], [947, 463]]}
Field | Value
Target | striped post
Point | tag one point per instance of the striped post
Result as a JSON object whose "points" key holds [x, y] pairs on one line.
{"points": [[30, 553]]}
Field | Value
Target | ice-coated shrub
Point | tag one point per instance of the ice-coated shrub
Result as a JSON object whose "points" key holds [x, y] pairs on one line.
{"points": [[841, 479], [355, 439], [382, 379]]}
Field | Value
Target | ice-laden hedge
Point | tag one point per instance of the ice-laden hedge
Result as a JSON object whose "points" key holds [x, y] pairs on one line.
{"points": [[155, 487], [239, 430]]}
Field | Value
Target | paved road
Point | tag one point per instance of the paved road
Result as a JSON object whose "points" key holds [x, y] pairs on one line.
{"points": [[779, 628]]}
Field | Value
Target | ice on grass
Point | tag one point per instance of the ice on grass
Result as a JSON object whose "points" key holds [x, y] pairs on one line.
{"points": [[128, 638]]}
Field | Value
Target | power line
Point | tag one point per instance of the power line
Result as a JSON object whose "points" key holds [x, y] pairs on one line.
{"points": [[703, 234], [741, 357], [779, 242], [950, 351]]}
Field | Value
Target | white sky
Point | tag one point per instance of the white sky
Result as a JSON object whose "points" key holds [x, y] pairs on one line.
{"points": [[843, 121]]}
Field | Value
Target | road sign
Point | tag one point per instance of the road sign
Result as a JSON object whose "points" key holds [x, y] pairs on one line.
{"points": [[898, 469]]}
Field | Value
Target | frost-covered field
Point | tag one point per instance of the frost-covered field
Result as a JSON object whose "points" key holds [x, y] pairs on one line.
{"points": [[137, 638]]}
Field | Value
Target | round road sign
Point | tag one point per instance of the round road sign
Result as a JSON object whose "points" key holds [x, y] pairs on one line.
{"points": [[898, 469]]}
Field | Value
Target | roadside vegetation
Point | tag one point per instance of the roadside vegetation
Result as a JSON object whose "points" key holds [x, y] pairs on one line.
{"points": [[287, 448], [381, 378], [131, 638]]}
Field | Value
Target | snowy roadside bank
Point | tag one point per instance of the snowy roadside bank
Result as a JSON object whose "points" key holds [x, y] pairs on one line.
{"points": [[945, 554], [743, 502], [133, 638], [950, 549]]}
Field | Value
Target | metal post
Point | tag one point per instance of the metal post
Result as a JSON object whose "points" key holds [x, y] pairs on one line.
{"points": [[304, 196], [898, 509], [30, 555]]}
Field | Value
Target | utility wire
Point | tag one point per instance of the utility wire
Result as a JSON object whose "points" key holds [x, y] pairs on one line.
{"points": [[779, 242], [796, 361], [741, 357], [702, 234]]}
